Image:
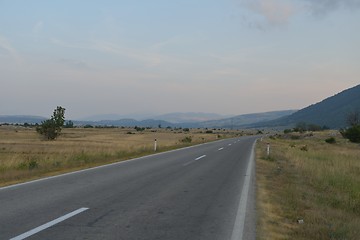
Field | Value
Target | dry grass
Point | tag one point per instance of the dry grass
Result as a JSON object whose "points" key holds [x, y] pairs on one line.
{"points": [[25, 155], [320, 186]]}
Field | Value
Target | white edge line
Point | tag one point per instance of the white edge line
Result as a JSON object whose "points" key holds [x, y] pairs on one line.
{"points": [[239, 224], [106, 165], [200, 157], [49, 224]]}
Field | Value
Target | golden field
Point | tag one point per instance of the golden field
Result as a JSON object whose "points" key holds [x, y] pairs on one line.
{"points": [[25, 155], [307, 188]]}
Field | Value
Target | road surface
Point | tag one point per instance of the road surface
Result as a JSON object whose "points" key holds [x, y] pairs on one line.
{"points": [[199, 192]]}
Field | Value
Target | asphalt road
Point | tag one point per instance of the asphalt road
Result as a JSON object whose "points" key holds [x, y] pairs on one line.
{"points": [[192, 193]]}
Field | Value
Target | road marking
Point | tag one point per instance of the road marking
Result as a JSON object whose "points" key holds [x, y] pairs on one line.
{"points": [[229, 144], [220, 149], [192, 161], [49, 224], [200, 157], [239, 224]]}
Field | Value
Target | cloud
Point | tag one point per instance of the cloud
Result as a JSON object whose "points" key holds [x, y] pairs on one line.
{"points": [[145, 57], [280, 12], [274, 11], [6, 47], [37, 28], [322, 7]]}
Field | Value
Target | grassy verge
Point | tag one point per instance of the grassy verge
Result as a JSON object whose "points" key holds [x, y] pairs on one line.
{"points": [[307, 188], [25, 155]]}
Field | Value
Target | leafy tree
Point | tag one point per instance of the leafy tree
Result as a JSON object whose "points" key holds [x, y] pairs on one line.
{"points": [[51, 128]]}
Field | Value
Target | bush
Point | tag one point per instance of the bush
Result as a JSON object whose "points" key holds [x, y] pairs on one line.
{"points": [[33, 164], [304, 148], [139, 129], [186, 140], [330, 140], [286, 131], [352, 133], [209, 131]]}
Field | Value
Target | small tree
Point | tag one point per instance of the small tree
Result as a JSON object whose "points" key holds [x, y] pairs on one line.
{"points": [[51, 128], [353, 118], [353, 132]]}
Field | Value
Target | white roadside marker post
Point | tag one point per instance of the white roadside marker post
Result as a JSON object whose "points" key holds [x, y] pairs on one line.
{"points": [[155, 143], [268, 149]]}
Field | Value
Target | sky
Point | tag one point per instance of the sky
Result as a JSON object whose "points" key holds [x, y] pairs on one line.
{"points": [[160, 56]]}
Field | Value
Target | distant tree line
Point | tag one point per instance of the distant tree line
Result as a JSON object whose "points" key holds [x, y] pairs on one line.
{"points": [[304, 127], [352, 132]]}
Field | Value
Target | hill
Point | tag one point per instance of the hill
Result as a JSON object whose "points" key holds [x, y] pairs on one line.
{"points": [[180, 117], [21, 119], [331, 112], [245, 119]]}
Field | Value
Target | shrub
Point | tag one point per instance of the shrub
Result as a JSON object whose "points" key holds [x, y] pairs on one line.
{"points": [[139, 129], [304, 148], [330, 140], [33, 164], [186, 140], [286, 131], [209, 131], [352, 133]]}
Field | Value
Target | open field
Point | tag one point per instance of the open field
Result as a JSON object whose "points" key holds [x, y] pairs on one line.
{"points": [[25, 155], [307, 188]]}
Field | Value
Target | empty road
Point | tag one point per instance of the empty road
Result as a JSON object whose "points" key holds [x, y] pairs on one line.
{"points": [[194, 193]]}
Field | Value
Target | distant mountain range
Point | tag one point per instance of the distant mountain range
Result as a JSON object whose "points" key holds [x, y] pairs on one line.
{"points": [[177, 117], [189, 120], [330, 112], [189, 117], [21, 119]]}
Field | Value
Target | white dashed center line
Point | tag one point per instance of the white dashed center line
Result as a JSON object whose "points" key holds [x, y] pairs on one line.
{"points": [[200, 157], [220, 149], [49, 224]]}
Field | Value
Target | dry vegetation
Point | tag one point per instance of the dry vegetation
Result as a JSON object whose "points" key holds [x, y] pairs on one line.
{"points": [[307, 188], [25, 155]]}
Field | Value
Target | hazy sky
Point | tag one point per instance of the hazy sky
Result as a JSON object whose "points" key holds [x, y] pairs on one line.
{"points": [[158, 56]]}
